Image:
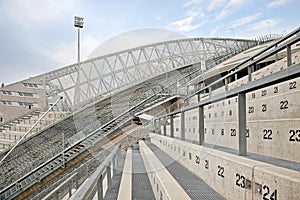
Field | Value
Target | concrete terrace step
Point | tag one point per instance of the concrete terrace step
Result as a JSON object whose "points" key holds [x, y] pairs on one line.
{"points": [[233, 176], [141, 187], [192, 185], [116, 179]]}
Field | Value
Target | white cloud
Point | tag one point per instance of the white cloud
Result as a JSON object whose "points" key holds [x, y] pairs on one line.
{"points": [[277, 3], [245, 20], [228, 8], [264, 26], [214, 4], [158, 18], [186, 24], [190, 3]]}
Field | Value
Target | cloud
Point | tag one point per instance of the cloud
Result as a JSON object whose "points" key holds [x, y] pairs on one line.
{"points": [[158, 18], [228, 8], [277, 3], [263, 26], [245, 20], [214, 4], [186, 24], [191, 3]]}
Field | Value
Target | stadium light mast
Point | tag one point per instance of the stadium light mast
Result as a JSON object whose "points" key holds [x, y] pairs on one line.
{"points": [[78, 23]]}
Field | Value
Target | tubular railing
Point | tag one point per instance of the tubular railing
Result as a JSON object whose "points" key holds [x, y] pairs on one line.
{"points": [[240, 92], [267, 52], [31, 128], [95, 182]]}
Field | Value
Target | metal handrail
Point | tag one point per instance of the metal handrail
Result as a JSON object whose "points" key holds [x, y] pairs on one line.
{"points": [[32, 127], [253, 60], [85, 191]]}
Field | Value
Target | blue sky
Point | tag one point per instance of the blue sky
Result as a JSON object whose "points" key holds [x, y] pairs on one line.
{"points": [[38, 36]]}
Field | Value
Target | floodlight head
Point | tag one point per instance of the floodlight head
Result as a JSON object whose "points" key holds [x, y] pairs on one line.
{"points": [[78, 22]]}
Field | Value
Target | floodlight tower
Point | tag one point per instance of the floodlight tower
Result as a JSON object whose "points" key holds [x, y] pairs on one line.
{"points": [[78, 22]]}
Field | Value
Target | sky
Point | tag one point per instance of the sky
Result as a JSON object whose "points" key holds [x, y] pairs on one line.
{"points": [[38, 36]]}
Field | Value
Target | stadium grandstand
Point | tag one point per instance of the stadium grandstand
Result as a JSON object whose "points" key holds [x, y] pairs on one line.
{"points": [[191, 118]]}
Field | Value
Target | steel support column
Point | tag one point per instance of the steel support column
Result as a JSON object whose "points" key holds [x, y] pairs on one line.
{"points": [[100, 187], [182, 125], [226, 84], [70, 188], [242, 124], [172, 126], [289, 55], [159, 127], [165, 126], [249, 73], [113, 162], [276, 55], [201, 125], [108, 174]]}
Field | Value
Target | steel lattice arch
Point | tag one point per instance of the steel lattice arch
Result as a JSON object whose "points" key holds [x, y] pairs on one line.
{"points": [[101, 75]]}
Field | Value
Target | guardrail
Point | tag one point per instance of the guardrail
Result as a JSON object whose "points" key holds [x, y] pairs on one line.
{"points": [[69, 182], [58, 161], [267, 52], [290, 72], [95, 182]]}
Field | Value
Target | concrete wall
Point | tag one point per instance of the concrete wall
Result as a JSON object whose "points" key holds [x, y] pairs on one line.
{"points": [[234, 177]]}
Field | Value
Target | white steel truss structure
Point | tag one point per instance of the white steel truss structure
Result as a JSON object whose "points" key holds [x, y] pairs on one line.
{"points": [[104, 74]]}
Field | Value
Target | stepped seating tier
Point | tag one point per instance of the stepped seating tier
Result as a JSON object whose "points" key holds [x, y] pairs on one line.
{"points": [[234, 177]]}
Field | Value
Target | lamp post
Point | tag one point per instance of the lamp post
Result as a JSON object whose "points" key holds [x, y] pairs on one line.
{"points": [[78, 23]]}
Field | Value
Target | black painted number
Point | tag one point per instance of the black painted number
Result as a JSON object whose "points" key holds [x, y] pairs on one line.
{"points": [[233, 132], [240, 180], [263, 92], [293, 85], [294, 135], [276, 89], [251, 109], [264, 107], [284, 105], [267, 134], [247, 133], [197, 159], [221, 171], [267, 195], [206, 164]]}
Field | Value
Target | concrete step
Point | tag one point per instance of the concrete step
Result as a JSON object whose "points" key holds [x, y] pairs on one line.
{"points": [[233, 176]]}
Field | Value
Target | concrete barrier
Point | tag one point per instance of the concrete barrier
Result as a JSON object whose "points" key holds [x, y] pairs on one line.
{"points": [[233, 176], [163, 184]]}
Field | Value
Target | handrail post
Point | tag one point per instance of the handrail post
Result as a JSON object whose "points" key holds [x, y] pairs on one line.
{"points": [[108, 174], [249, 73], [182, 125], [289, 55], [100, 187], [201, 125], [172, 126], [165, 126], [242, 124]]}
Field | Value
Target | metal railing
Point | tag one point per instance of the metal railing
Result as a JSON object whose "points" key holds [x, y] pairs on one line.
{"points": [[95, 182], [267, 52], [287, 74]]}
